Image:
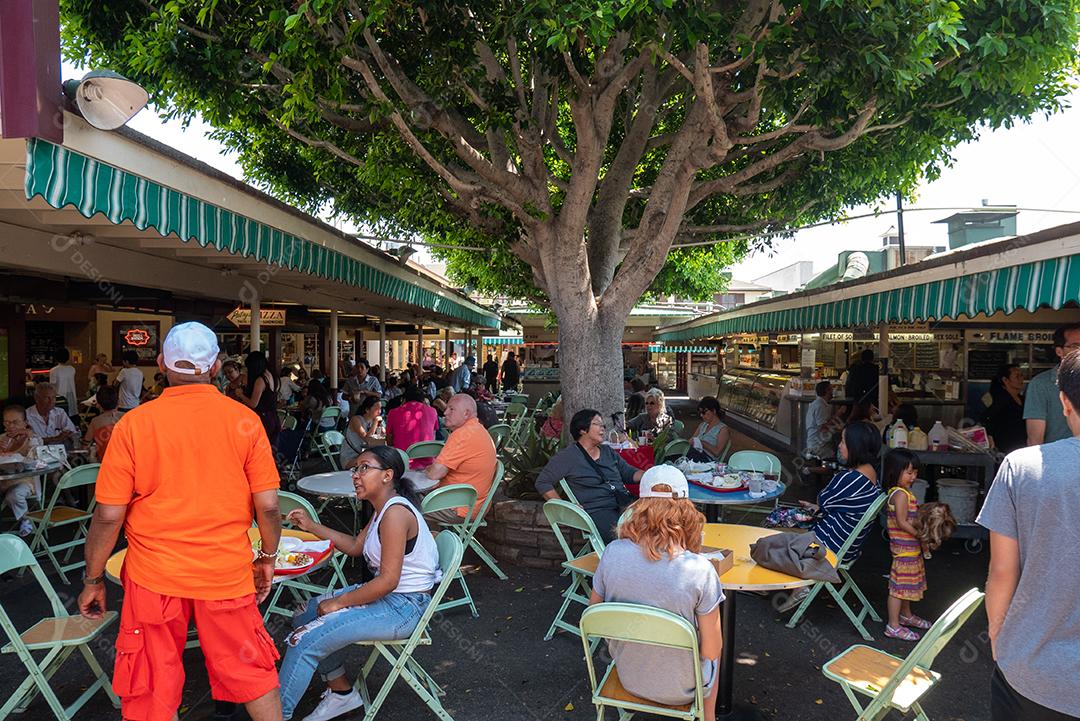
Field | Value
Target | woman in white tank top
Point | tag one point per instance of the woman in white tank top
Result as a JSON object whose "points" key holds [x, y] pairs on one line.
{"points": [[399, 549]]}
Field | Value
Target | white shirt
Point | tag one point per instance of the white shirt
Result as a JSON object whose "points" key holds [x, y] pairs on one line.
{"points": [[130, 381], [63, 377], [816, 415], [420, 569], [56, 422], [287, 389]]}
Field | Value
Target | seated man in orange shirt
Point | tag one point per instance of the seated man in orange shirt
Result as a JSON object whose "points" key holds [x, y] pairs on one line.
{"points": [[467, 457], [188, 549]]}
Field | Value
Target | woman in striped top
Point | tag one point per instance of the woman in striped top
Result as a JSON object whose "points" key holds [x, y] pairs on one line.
{"points": [[844, 501]]}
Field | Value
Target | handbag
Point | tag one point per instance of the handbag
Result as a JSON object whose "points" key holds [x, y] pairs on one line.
{"points": [[797, 554]]}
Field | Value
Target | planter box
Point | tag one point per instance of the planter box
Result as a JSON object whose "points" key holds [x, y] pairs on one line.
{"points": [[518, 532]]}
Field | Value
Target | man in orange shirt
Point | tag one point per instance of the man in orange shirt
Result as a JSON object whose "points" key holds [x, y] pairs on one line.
{"points": [[467, 457], [181, 477]]}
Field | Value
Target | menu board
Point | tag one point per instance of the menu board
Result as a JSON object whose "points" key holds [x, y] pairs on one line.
{"points": [[902, 355], [43, 340], [141, 336], [827, 355], [927, 356], [983, 364]]}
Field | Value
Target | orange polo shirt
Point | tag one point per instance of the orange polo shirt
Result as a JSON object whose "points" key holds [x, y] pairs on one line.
{"points": [[186, 465], [469, 453]]}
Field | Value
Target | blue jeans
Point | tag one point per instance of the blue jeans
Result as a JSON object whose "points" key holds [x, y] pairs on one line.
{"points": [[319, 643]]}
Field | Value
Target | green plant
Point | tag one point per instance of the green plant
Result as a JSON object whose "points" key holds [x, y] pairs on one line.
{"points": [[524, 463]]}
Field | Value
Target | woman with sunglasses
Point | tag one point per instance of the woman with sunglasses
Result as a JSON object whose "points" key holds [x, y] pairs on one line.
{"points": [[712, 434], [400, 550], [655, 418]]}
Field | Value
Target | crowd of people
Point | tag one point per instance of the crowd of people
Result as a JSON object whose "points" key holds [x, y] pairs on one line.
{"points": [[148, 486]]}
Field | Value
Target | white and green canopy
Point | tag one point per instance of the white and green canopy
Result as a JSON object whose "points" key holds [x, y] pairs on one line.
{"points": [[502, 340], [961, 284], [65, 177]]}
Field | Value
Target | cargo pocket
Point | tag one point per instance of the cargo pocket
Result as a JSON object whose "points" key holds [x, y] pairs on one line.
{"points": [[265, 654], [131, 677]]}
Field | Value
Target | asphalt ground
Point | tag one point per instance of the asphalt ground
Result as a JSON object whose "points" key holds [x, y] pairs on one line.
{"points": [[498, 666]]}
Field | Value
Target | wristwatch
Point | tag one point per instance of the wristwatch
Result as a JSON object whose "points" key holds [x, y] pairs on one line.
{"points": [[87, 581]]}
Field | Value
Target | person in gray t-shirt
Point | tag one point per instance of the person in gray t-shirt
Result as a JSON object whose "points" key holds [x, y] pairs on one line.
{"points": [[638, 568], [1042, 409], [1033, 586]]}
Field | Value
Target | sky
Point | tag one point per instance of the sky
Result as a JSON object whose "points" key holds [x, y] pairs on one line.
{"points": [[1034, 165]]}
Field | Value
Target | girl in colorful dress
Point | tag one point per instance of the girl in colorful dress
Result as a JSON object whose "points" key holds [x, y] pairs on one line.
{"points": [[907, 579]]}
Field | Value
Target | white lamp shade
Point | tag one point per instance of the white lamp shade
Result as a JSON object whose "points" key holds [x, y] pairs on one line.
{"points": [[106, 99]]}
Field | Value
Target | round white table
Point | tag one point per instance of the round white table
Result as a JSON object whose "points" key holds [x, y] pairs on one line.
{"points": [[712, 500], [27, 470], [337, 484]]}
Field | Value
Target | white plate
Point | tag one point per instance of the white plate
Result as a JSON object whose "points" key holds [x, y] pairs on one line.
{"points": [[289, 543], [281, 565]]}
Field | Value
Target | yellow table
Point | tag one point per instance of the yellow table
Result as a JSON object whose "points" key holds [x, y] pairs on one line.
{"points": [[116, 561], [745, 575]]}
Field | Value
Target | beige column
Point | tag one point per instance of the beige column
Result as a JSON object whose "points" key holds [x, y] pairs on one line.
{"points": [[335, 361]]}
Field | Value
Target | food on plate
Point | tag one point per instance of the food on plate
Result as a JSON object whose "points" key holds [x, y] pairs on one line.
{"points": [[293, 560]]}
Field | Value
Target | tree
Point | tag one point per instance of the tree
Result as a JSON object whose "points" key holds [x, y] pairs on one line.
{"points": [[582, 140]]}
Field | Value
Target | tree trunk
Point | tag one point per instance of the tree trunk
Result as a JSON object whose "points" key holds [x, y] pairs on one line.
{"points": [[590, 361]]}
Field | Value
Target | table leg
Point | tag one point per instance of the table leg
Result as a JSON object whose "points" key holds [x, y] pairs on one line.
{"points": [[726, 708]]}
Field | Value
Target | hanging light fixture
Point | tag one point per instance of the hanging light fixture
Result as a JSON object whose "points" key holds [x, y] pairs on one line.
{"points": [[105, 99]]}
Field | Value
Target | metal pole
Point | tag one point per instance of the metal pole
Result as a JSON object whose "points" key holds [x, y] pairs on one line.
{"points": [[256, 330], [900, 226], [382, 349], [419, 344], [883, 375], [334, 360]]}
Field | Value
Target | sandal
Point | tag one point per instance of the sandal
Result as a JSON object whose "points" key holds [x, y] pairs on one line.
{"points": [[904, 634], [914, 622]]}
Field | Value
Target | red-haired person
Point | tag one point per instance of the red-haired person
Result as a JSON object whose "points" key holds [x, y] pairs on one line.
{"points": [[656, 562]]}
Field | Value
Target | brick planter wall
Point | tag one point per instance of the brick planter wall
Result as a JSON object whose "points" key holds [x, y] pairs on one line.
{"points": [[518, 532]]}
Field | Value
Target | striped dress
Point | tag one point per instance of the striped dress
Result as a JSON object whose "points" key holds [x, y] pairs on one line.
{"points": [[907, 578], [843, 503]]}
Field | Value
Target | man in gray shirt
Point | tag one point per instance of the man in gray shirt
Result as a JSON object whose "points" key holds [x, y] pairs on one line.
{"points": [[1033, 586], [819, 416], [1042, 410]]}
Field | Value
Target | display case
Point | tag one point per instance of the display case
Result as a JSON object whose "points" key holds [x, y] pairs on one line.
{"points": [[757, 395]]}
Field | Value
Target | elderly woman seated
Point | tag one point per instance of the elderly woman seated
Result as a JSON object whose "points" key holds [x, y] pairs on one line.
{"points": [[655, 418], [596, 474]]}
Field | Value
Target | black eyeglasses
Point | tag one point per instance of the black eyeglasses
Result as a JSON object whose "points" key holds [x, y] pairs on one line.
{"points": [[365, 467]]}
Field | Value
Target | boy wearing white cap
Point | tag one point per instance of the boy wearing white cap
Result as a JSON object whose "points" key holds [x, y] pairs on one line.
{"points": [[656, 562], [182, 477]]}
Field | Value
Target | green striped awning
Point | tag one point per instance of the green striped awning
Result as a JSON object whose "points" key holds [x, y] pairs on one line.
{"points": [[64, 177], [1040, 284], [502, 340]]}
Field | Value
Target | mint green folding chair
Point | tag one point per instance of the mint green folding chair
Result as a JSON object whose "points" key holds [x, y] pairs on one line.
{"points": [[516, 417], [399, 654], [59, 635], [55, 515], [329, 446], [891, 682], [567, 492], [564, 515], [454, 496], [499, 433], [467, 528], [677, 428], [424, 449], [520, 398], [301, 589], [843, 568], [646, 625], [675, 449], [758, 461]]}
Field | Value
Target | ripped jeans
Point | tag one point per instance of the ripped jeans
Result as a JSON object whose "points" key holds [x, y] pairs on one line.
{"points": [[320, 642]]}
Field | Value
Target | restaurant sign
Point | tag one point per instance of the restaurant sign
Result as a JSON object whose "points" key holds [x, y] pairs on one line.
{"points": [[1011, 336], [267, 316]]}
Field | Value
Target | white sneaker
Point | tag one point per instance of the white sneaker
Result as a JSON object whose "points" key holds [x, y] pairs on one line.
{"points": [[25, 527], [334, 705]]}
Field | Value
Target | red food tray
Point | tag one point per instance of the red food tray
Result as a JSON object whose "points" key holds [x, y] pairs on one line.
{"points": [[740, 489], [318, 558]]}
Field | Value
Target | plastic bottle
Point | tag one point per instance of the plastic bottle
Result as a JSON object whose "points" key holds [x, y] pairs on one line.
{"points": [[899, 435], [937, 436]]}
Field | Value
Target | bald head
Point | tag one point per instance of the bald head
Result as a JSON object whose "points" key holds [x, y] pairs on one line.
{"points": [[459, 410]]}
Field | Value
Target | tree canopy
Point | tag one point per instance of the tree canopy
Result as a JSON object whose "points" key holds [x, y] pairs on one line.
{"points": [[625, 126]]}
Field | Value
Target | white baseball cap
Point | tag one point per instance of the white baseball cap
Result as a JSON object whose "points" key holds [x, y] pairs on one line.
{"points": [[664, 475], [191, 342]]}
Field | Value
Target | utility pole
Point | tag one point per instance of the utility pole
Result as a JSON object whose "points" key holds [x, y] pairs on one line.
{"points": [[900, 226]]}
